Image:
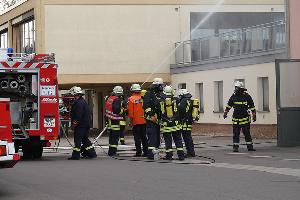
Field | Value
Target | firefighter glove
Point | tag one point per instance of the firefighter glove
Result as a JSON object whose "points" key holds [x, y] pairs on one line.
{"points": [[225, 115]]}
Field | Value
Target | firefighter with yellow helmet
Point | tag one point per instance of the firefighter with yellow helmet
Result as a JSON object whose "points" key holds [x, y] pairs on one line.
{"points": [[170, 126]]}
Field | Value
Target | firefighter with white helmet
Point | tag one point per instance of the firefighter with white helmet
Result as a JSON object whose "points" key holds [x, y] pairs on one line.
{"points": [[81, 122], [152, 115], [115, 114], [136, 115], [188, 113], [170, 126], [242, 103]]}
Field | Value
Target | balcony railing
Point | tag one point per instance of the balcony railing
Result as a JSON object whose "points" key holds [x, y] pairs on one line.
{"points": [[246, 41]]}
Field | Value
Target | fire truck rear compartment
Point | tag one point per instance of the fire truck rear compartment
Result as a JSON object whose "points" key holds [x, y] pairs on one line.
{"points": [[22, 89]]}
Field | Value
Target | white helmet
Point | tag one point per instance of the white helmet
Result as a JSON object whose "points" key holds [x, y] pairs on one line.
{"points": [[168, 90], [158, 81], [182, 92], [118, 90], [135, 87], [239, 84], [76, 90]]}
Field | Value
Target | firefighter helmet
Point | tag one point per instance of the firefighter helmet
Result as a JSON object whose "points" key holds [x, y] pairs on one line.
{"points": [[76, 90], [118, 90], [135, 87], [158, 81], [183, 92], [239, 84], [168, 90]]}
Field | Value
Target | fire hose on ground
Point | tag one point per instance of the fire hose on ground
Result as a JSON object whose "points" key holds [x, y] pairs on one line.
{"points": [[133, 159]]}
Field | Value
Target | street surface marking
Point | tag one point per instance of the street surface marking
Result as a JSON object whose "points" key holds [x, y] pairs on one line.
{"points": [[273, 170], [237, 153], [260, 156]]}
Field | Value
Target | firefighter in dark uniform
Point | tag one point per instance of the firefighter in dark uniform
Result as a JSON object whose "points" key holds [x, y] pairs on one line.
{"points": [[170, 126], [81, 122], [152, 114], [188, 113], [241, 102], [115, 115]]}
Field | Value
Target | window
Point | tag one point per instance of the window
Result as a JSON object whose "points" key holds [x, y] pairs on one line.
{"points": [[218, 94], [199, 94], [263, 94], [182, 86], [27, 36], [3, 40]]}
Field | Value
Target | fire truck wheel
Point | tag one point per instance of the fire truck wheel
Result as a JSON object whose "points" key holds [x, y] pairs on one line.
{"points": [[37, 152], [27, 151]]}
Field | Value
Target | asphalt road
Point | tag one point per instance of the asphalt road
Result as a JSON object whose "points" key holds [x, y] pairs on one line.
{"points": [[232, 177]]}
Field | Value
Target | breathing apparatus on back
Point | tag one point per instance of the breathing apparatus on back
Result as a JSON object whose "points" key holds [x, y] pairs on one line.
{"points": [[184, 93], [169, 104]]}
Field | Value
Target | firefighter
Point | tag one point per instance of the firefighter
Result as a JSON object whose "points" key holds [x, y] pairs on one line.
{"points": [[188, 113], [152, 115], [115, 114], [241, 102], [170, 126], [136, 115], [81, 121]]}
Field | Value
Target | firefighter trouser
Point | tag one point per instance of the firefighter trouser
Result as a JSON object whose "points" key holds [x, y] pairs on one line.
{"points": [[122, 136], [81, 137], [140, 138], [114, 134], [188, 141], [178, 143], [246, 131], [153, 134]]}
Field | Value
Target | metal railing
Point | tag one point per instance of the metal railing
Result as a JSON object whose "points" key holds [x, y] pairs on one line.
{"points": [[251, 40]]}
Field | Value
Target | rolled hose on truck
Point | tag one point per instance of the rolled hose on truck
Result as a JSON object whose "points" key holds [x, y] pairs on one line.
{"points": [[127, 158]]}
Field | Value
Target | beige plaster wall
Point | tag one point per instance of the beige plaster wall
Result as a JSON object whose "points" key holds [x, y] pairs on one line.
{"points": [[294, 6], [111, 39], [249, 73]]}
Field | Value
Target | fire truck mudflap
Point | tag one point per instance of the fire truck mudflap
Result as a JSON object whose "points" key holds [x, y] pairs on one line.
{"points": [[30, 81]]}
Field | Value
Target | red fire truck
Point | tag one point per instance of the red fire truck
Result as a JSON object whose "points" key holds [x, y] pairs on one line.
{"points": [[30, 82], [8, 156]]}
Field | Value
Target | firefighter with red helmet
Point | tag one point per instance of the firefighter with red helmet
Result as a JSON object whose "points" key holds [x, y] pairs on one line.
{"points": [[115, 114], [136, 115], [241, 102], [81, 122]]}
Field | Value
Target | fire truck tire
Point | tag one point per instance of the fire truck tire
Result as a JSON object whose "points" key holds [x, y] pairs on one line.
{"points": [[27, 151], [37, 152]]}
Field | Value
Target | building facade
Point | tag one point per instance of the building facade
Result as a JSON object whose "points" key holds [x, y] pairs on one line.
{"points": [[100, 43]]}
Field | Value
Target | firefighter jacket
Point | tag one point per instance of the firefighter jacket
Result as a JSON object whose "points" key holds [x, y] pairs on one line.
{"points": [[185, 108], [151, 104], [115, 112], [169, 114], [241, 103], [135, 109], [80, 113]]}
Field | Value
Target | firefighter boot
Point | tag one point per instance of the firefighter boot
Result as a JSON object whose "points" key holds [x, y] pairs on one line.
{"points": [[75, 155], [169, 156], [235, 148], [250, 147]]}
